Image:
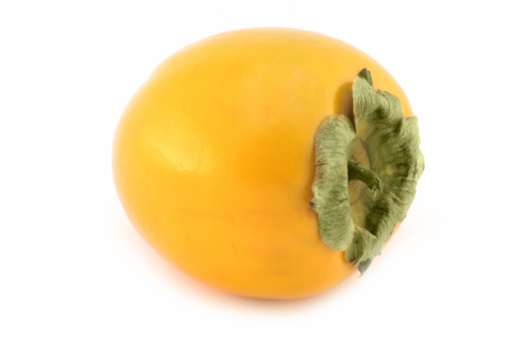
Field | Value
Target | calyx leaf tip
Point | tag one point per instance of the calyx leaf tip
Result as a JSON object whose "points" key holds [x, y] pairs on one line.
{"points": [[366, 75]]}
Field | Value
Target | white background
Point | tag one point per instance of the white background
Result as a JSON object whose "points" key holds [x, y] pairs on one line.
{"points": [[71, 265]]}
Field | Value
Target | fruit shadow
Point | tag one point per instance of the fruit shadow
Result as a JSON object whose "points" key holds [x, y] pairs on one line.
{"points": [[343, 101]]}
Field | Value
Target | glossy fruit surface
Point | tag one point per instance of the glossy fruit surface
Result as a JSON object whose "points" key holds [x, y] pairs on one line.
{"points": [[213, 158]]}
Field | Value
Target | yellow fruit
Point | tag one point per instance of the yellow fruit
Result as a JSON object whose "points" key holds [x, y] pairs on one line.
{"points": [[213, 158]]}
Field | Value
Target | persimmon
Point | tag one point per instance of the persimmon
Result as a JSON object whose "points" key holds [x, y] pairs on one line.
{"points": [[268, 162]]}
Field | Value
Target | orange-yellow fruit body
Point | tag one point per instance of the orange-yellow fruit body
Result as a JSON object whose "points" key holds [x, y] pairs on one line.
{"points": [[213, 158]]}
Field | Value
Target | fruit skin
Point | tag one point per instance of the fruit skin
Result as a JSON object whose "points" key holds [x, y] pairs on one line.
{"points": [[213, 158]]}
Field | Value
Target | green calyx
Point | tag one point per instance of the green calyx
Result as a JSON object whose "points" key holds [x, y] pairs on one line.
{"points": [[366, 173]]}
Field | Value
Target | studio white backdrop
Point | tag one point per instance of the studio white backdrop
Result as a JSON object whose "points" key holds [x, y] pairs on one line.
{"points": [[71, 264]]}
